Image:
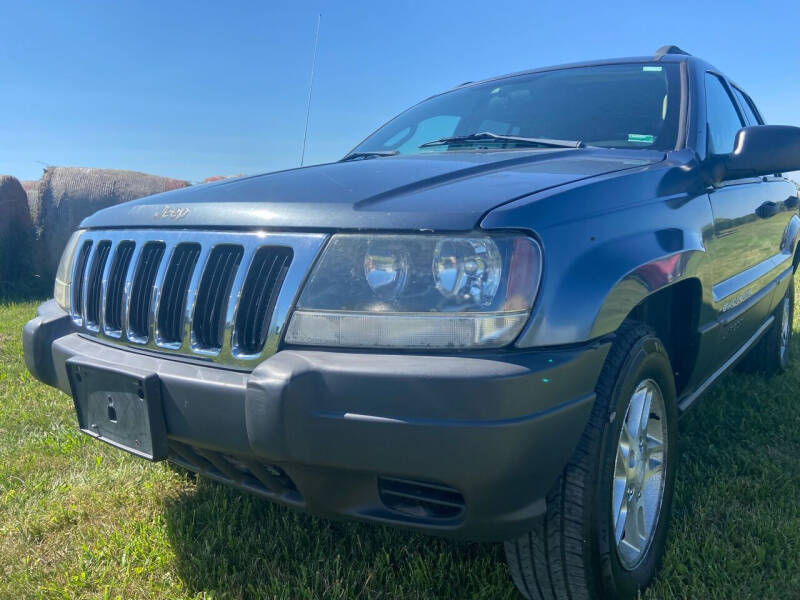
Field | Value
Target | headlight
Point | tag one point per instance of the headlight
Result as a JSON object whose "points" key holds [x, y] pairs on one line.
{"points": [[61, 289], [418, 291]]}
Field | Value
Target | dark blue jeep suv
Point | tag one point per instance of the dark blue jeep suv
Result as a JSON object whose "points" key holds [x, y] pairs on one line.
{"points": [[483, 322]]}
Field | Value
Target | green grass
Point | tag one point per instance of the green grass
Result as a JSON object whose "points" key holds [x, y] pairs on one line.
{"points": [[81, 520]]}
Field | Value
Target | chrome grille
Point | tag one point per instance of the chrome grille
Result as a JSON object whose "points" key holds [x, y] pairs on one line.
{"points": [[219, 296]]}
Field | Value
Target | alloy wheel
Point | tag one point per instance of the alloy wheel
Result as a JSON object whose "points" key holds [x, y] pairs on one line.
{"points": [[639, 474]]}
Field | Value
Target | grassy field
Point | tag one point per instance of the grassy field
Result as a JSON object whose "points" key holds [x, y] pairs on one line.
{"points": [[80, 520]]}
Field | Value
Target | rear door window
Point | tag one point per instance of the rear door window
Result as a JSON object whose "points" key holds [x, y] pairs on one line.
{"points": [[747, 107]]}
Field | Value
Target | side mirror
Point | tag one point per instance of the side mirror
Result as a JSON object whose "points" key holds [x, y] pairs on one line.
{"points": [[762, 150]]}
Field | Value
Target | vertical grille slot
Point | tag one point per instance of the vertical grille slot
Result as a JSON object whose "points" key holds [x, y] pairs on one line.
{"points": [[208, 322], [116, 284], [142, 288], [173, 295], [259, 294], [80, 275], [94, 289]]}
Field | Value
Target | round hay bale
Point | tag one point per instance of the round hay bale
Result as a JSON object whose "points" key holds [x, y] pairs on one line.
{"points": [[70, 194], [215, 178], [38, 253], [16, 231], [31, 188]]}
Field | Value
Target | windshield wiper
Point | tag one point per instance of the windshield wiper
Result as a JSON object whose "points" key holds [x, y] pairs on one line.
{"points": [[372, 154], [493, 137]]}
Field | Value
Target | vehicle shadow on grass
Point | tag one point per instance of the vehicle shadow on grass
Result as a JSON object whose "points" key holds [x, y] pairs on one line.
{"points": [[231, 544], [740, 420], [735, 518]]}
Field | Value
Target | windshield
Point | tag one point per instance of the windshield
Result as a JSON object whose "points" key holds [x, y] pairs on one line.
{"points": [[633, 105]]}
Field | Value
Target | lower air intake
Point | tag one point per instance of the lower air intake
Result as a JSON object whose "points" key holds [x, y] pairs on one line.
{"points": [[260, 478], [420, 498]]}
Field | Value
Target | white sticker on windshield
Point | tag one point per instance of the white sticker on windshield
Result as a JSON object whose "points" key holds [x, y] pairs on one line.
{"points": [[649, 68]]}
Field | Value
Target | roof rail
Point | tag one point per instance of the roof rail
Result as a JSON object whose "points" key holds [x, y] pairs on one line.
{"points": [[669, 49]]}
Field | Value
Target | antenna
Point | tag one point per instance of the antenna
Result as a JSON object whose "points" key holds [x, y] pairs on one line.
{"points": [[310, 90]]}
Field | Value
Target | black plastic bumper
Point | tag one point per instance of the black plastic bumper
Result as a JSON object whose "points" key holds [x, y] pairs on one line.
{"points": [[334, 432]]}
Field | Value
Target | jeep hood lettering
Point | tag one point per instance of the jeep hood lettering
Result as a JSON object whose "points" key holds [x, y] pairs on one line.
{"points": [[438, 191]]}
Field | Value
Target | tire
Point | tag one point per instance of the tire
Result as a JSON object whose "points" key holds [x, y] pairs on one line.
{"points": [[573, 551], [771, 355]]}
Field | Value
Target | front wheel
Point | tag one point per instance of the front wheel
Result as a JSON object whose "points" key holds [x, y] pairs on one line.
{"points": [[604, 531]]}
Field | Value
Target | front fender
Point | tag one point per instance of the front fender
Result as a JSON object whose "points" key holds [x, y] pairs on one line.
{"points": [[640, 282], [597, 269]]}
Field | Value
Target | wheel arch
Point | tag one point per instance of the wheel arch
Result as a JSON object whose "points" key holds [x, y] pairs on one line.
{"points": [[673, 312]]}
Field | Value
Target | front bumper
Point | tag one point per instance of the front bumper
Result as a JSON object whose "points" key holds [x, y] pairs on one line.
{"points": [[365, 435]]}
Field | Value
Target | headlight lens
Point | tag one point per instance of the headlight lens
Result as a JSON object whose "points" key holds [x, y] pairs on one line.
{"points": [[386, 268], [61, 289], [467, 269], [418, 291]]}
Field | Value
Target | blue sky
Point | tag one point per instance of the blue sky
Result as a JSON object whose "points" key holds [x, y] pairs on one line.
{"points": [[194, 89]]}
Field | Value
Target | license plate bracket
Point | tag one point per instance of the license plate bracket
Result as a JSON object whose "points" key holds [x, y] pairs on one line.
{"points": [[122, 408]]}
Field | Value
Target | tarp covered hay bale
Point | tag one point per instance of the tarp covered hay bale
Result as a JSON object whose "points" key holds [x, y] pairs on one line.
{"points": [[16, 233], [70, 194]]}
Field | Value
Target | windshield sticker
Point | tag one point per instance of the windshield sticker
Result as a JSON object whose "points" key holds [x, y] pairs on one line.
{"points": [[641, 138], [650, 68]]}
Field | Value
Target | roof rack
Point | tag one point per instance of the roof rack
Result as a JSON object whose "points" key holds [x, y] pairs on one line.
{"points": [[669, 49]]}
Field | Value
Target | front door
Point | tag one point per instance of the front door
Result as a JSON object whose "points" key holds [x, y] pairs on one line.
{"points": [[750, 217]]}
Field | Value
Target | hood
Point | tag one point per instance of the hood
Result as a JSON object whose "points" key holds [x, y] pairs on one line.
{"points": [[436, 191]]}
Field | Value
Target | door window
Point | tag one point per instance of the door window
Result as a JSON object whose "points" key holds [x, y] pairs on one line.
{"points": [[747, 106], [721, 115]]}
